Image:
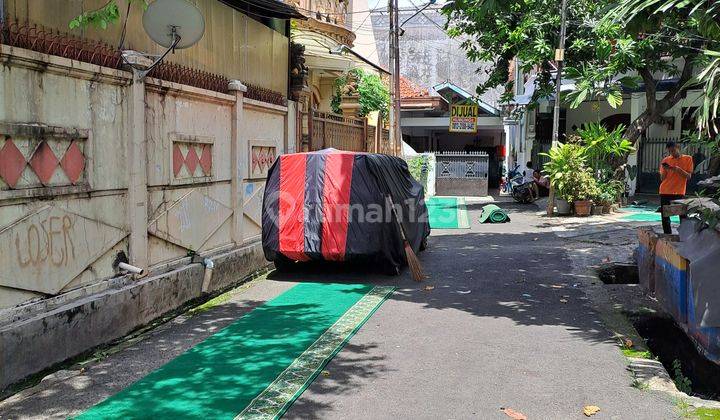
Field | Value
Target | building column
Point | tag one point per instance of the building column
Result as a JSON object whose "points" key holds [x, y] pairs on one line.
{"points": [[511, 132], [238, 145], [137, 214]]}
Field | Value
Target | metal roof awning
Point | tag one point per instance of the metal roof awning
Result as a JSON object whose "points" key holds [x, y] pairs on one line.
{"points": [[450, 91], [266, 8]]}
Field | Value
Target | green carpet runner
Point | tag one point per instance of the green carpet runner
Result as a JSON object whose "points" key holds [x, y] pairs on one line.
{"points": [[493, 214], [257, 366], [447, 213], [647, 213]]}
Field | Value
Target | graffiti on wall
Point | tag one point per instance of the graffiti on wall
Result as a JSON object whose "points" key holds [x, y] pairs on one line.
{"points": [[190, 221], [48, 248]]}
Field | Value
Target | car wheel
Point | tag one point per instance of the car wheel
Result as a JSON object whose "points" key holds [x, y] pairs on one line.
{"points": [[283, 264], [424, 244], [392, 270]]}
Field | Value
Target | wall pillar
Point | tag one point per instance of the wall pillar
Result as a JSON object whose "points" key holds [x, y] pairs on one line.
{"points": [[238, 145], [632, 171], [137, 214], [511, 132]]}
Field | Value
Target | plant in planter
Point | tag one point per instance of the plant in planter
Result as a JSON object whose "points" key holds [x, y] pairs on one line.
{"points": [[566, 161], [580, 191], [610, 193]]}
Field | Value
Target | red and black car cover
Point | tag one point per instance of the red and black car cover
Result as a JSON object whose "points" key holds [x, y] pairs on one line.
{"points": [[333, 205]]}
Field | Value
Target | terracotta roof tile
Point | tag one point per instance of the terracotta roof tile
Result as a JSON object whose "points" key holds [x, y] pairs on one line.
{"points": [[409, 89]]}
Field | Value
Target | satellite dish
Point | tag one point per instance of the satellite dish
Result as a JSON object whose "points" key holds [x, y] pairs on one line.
{"points": [[174, 23]]}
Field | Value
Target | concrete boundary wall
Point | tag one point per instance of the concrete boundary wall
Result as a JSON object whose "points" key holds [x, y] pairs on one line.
{"points": [[49, 337], [99, 166]]}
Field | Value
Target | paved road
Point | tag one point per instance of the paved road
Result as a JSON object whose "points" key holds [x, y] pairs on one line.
{"points": [[506, 325]]}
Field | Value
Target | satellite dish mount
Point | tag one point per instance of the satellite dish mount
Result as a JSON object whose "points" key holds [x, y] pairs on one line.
{"points": [[173, 24]]}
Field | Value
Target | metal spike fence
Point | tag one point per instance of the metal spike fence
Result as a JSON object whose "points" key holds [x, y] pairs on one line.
{"points": [[37, 38]]}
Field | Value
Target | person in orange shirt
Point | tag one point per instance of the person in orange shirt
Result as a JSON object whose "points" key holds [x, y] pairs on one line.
{"points": [[675, 171]]}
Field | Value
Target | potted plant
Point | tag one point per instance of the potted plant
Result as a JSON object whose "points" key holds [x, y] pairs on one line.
{"points": [[597, 206], [582, 188], [566, 160], [563, 206]]}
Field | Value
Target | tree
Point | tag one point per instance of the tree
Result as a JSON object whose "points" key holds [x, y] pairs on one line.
{"points": [[601, 56], [706, 17], [103, 16]]}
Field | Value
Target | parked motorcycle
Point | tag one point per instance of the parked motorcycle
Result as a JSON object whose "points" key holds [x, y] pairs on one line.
{"points": [[521, 190], [506, 182]]}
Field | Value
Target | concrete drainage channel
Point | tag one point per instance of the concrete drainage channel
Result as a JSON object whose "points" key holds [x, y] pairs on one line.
{"points": [[618, 273], [672, 362], [691, 372]]}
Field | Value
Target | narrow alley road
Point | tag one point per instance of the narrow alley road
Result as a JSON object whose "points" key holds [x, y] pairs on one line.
{"points": [[502, 321]]}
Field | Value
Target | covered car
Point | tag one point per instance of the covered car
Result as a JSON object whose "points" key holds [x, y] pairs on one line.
{"points": [[334, 205]]}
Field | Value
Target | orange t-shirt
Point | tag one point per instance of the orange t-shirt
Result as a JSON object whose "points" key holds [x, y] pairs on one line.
{"points": [[674, 183]]}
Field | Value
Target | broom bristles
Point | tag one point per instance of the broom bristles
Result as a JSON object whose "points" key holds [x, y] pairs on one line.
{"points": [[413, 263]]}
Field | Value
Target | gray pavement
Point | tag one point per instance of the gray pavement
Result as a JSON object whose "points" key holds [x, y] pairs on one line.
{"points": [[506, 323]]}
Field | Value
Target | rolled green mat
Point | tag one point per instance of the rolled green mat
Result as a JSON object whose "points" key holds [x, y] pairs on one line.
{"points": [[493, 214]]}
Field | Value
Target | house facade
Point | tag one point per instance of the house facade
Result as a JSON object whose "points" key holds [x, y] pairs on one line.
{"points": [[425, 124], [529, 130], [325, 38]]}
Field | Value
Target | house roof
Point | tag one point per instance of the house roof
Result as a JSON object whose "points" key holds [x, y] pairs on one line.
{"points": [[266, 8], [408, 89], [453, 93]]}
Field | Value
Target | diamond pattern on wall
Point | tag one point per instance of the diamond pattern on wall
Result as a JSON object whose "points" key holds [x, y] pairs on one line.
{"points": [[44, 163], [178, 159], [261, 159], [33, 155], [12, 163], [191, 160], [73, 163], [206, 159]]}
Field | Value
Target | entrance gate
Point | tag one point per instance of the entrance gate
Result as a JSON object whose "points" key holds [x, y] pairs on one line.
{"points": [[461, 173]]}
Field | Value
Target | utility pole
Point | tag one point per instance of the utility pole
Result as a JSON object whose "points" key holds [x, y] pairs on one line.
{"points": [[559, 59], [394, 52]]}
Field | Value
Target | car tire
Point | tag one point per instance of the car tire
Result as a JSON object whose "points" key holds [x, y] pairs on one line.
{"points": [[284, 264], [424, 244], [392, 270]]}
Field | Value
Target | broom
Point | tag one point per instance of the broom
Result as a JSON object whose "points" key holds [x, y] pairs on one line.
{"points": [[412, 259]]}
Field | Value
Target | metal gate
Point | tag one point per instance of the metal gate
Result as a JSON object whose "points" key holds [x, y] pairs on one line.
{"points": [[652, 151], [461, 165], [461, 173]]}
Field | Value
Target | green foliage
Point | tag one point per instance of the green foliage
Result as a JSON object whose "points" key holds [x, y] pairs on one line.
{"points": [[374, 95], [609, 192], [682, 382], [567, 171], [587, 166], [416, 164], [707, 413], [582, 186], [638, 354], [102, 17], [607, 151], [699, 30], [599, 51]]}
